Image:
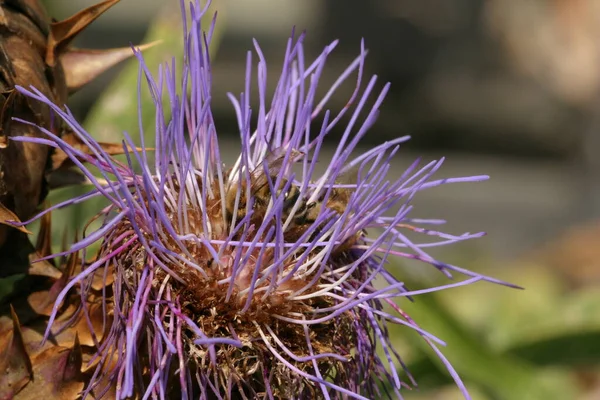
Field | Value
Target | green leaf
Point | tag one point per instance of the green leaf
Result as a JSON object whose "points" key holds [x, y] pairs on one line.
{"points": [[575, 349], [117, 109], [565, 333], [502, 376]]}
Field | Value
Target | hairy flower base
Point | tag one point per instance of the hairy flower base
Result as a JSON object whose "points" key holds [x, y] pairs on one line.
{"points": [[262, 319]]}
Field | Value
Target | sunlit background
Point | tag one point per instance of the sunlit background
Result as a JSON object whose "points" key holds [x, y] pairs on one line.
{"points": [[508, 88]]}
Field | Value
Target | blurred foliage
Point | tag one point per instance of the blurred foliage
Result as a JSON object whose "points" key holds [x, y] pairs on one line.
{"points": [[539, 343], [116, 111]]}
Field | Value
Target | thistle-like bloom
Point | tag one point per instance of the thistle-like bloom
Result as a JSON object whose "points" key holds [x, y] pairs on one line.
{"points": [[261, 279]]}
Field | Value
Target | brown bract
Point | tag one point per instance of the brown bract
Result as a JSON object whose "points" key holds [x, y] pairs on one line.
{"points": [[36, 52], [61, 366]]}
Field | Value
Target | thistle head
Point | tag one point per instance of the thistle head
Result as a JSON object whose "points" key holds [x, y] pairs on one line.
{"points": [[259, 279]]}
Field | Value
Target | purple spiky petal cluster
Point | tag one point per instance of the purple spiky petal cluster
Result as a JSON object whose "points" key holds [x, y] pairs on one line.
{"points": [[257, 280]]}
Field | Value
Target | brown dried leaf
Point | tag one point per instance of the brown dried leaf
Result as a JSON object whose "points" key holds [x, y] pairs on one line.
{"points": [[33, 9], [14, 362], [63, 32], [5, 113], [42, 268], [43, 248], [62, 175], [7, 217], [23, 308], [13, 20], [41, 302], [27, 41], [57, 373], [44, 306], [22, 165], [82, 329], [84, 65], [44, 241], [38, 304], [103, 278], [33, 335]]}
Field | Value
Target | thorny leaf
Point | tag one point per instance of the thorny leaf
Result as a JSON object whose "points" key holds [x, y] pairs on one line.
{"points": [[84, 65], [44, 283], [14, 361], [88, 337], [66, 379], [34, 326], [42, 302], [34, 10], [55, 366], [18, 255], [63, 32], [35, 52], [63, 175], [57, 374], [7, 217], [43, 245], [42, 249], [22, 165], [22, 48], [60, 159], [33, 26]]}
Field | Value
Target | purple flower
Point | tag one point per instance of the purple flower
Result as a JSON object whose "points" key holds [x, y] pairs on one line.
{"points": [[261, 279]]}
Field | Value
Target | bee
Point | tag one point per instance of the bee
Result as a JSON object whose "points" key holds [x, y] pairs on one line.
{"points": [[307, 216], [236, 203], [298, 213], [332, 197], [338, 201]]}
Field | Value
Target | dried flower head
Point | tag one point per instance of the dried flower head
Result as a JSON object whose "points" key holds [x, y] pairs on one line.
{"points": [[256, 280]]}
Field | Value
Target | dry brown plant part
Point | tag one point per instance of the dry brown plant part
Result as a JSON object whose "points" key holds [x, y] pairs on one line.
{"points": [[35, 51], [61, 366]]}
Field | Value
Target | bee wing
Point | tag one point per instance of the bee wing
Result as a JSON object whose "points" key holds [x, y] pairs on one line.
{"points": [[272, 165], [348, 176], [277, 156]]}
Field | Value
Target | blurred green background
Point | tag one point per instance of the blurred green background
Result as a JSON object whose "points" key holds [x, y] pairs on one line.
{"points": [[500, 87]]}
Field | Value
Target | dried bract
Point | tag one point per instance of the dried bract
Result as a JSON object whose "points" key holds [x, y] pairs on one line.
{"points": [[35, 51]]}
